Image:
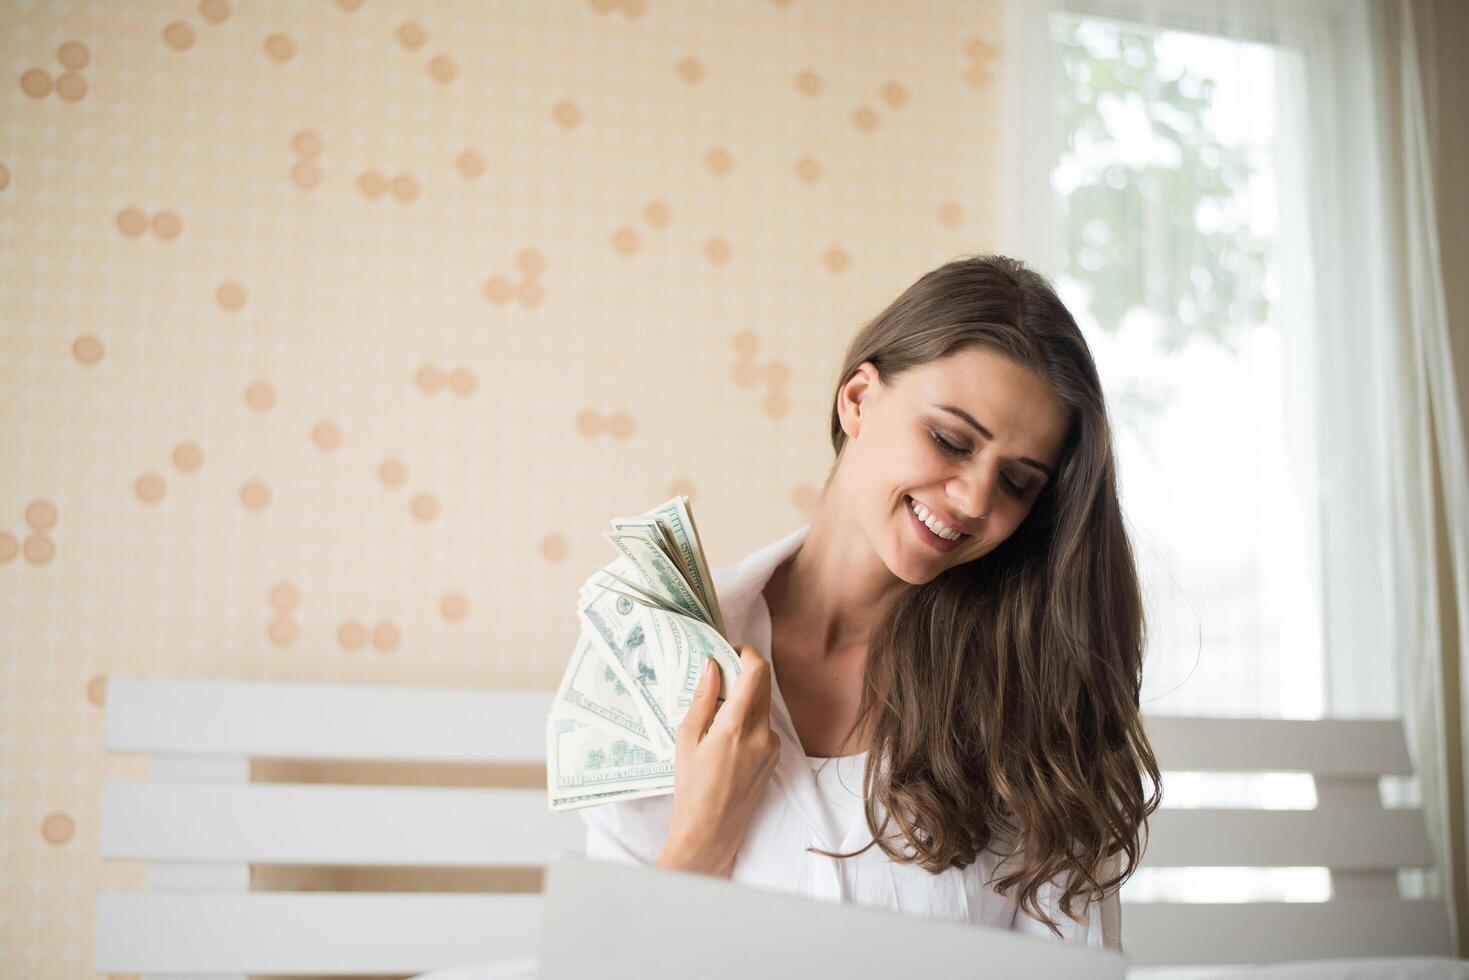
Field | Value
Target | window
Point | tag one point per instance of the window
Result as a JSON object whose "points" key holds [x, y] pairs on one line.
{"points": [[1166, 189]]}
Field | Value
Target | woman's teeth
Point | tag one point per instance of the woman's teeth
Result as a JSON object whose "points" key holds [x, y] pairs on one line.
{"points": [[934, 524]]}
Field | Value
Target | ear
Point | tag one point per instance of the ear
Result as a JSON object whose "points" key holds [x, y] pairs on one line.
{"points": [[859, 388]]}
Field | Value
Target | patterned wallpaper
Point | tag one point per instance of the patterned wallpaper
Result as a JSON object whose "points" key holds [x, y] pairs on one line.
{"points": [[333, 333]]}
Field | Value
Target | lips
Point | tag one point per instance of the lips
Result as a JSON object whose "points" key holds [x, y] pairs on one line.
{"points": [[935, 542]]}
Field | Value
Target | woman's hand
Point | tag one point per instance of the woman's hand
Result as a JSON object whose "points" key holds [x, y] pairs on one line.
{"points": [[722, 761]]}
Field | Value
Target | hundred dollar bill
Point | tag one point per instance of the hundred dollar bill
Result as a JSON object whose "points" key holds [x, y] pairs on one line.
{"points": [[593, 693], [661, 652], [626, 633], [637, 593], [587, 765], [659, 572], [650, 621], [677, 517]]}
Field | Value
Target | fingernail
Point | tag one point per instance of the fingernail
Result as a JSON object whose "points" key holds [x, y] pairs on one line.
{"points": [[708, 668]]}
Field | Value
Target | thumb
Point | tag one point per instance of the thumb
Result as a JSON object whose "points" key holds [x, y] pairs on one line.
{"points": [[704, 703]]}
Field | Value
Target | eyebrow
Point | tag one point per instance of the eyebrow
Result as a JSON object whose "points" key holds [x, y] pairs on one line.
{"points": [[1033, 464]]}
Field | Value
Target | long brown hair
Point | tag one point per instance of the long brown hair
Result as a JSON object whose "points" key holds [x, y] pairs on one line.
{"points": [[1006, 690]]}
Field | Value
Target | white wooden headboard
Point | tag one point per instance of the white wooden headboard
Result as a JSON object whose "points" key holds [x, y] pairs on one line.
{"points": [[199, 823]]}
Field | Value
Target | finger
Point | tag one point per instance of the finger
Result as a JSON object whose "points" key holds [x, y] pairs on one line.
{"points": [[703, 705], [751, 697]]}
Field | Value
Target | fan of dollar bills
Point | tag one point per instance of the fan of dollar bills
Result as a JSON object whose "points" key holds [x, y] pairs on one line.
{"points": [[649, 620]]}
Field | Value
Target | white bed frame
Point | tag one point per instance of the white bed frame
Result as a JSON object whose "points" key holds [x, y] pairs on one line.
{"points": [[199, 823]]}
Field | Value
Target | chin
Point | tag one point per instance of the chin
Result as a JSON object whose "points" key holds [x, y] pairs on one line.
{"points": [[914, 573]]}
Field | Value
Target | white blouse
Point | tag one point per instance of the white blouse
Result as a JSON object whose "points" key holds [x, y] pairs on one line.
{"points": [[813, 801]]}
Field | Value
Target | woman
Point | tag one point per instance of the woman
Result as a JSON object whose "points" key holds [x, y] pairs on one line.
{"points": [[939, 707]]}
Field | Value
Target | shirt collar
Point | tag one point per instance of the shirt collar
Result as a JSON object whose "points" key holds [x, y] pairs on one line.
{"points": [[739, 584]]}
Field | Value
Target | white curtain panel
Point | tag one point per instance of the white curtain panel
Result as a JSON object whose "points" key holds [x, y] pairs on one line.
{"points": [[1364, 356]]}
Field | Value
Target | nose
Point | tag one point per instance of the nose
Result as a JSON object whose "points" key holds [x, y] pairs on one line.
{"points": [[970, 491]]}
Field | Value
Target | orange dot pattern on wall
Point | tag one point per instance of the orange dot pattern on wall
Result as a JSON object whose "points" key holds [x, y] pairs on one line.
{"points": [[354, 635], [470, 164], [804, 498], [836, 260], [306, 174], [567, 114], [773, 374], [326, 435], [690, 69], [951, 215], [809, 84], [392, 473], [351, 635], [657, 214], [150, 488], [411, 35], [808, 170], [424, 507], [260, 396], [441, 68], [554, 547], [718, 161], [454, 606], [683, 485], [284, 600], [983, 56], [631, 9], [133, 223], [280, 48], [97, 690], [865, 118], [41, 516], [4, 176], [718, 250], [87, 349], [431, 379], [58, 828], [386, 636], [179, 34], [255, 495], [230, 296], [531, 264], [592, 423], [403, 186], [214, 11], [70, 85], [187, 457], [282, 632]]}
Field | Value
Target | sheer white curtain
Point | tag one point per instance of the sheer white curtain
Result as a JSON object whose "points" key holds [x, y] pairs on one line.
{"points": [[1235, 199]]}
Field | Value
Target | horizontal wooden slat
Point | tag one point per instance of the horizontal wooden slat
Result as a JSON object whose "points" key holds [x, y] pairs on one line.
{"points": [[323, 933], [1164, 933], [1339, 838], [300, 720], [1325, 746], [291, 720], [282, 823]]}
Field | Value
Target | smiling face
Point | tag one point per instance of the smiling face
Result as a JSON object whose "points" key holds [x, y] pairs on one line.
{"points": [[919, 440]]}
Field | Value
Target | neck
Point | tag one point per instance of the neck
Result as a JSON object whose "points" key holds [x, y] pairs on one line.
{"points": [[828, 593]]}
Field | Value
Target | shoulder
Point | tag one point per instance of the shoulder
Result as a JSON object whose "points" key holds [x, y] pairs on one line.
{"points": [[1097, 923]]}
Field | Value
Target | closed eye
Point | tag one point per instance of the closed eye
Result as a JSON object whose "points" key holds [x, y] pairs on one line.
{"points": [[1010, 486]]}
